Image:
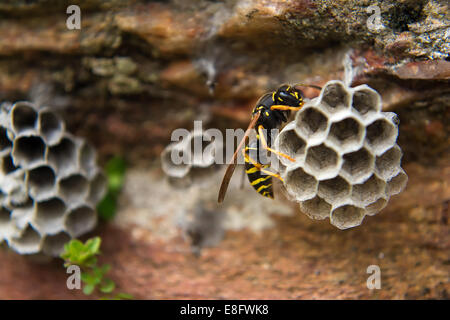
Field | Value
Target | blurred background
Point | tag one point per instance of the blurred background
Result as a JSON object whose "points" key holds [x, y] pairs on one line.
{"points": [[136, 70]]}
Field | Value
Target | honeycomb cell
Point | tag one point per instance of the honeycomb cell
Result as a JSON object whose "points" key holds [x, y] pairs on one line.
{"points": [[322, 162], [369, 191], [51, 127], [172, 161], [53, 245], [366, 101], [347, 216], [381, 135], [357, 166], [311, 124], [28, 151], [73, 188], [49, 215], [5, 143], [41, 182], [23, 118], [8, 165], [5, 222], [97, 188], [347, 134], [80, 220], [334, 190], [63, 157], [23, 214], [17, 191], [316, 208], [376, 207], [87, 159], [198, 154], [289, 143], [335, 97], [28, 242], [397, 183], [388, 164], [300, 185]]}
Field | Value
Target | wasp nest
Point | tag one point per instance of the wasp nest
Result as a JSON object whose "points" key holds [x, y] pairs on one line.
{"points": [[49, 181], [347, 160], [191, 159]]}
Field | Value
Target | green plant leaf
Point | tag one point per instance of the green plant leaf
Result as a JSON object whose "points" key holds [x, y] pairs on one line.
{"points": [[101, 271], [107, 286], [88, 289], [93, 245], [124, 296], [107, 207], [89, 278], [115, 171]]}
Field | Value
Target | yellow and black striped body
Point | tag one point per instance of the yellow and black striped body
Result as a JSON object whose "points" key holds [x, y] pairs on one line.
{"points": [[268, 120], [260, 181]]}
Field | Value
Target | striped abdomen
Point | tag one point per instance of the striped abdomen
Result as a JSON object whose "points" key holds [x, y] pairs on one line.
{"points": [[260, 181]]}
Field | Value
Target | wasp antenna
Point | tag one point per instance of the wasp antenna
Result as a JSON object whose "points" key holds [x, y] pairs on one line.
{"points": [[308, 85]]}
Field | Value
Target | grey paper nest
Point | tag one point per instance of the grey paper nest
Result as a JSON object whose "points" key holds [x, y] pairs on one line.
{"points": [[50, 183], [198, 166], [347, 160]]}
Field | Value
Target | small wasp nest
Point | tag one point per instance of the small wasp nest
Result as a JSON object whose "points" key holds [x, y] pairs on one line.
{"points": [[191, 159], [49, 181], [347, 162]]}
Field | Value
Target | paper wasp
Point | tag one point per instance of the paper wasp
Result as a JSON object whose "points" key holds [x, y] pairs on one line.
{"points": [[270, 112]]}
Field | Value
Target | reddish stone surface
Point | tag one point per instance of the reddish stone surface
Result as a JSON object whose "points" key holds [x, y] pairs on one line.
{"points": [[297, 259]]}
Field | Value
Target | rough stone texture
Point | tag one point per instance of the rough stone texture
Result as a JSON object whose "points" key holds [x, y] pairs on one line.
{"points": [[296, 259], [143, 55], [139, 69]]}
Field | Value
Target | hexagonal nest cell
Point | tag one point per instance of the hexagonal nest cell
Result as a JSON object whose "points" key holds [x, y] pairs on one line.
{"points": [[46, 173], [192, 159], [357, 165], [28, 151], [311, 124], [23, 117], [5, 143], [381, 135], [347, 134], [335, 97], [366, 101], [322, 162], [300, 185], [289, 143], [355, 161], [334, 190], [316, 208], [388, 164], [347, 216], [368, 191]]}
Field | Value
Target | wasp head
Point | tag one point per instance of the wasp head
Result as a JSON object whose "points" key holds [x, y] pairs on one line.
{"points": [[287, 95]]}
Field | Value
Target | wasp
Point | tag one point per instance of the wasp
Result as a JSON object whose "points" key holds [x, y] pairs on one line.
{"points": [[271, 111]]}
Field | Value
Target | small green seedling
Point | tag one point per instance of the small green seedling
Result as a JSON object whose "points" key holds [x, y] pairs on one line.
{"points": [[115, 173], [85, 255]]}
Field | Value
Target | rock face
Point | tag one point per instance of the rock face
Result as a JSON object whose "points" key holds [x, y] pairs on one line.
{"points": [[49, 181], [137, 70], [211, 58], [347, 162]]}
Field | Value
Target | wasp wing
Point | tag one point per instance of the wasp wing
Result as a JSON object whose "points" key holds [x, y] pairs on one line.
{"points": [[232, 164]]}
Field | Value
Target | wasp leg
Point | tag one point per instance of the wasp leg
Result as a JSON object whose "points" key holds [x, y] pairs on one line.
{"points": [[265, 146], [260, 167], [282, 107]]}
